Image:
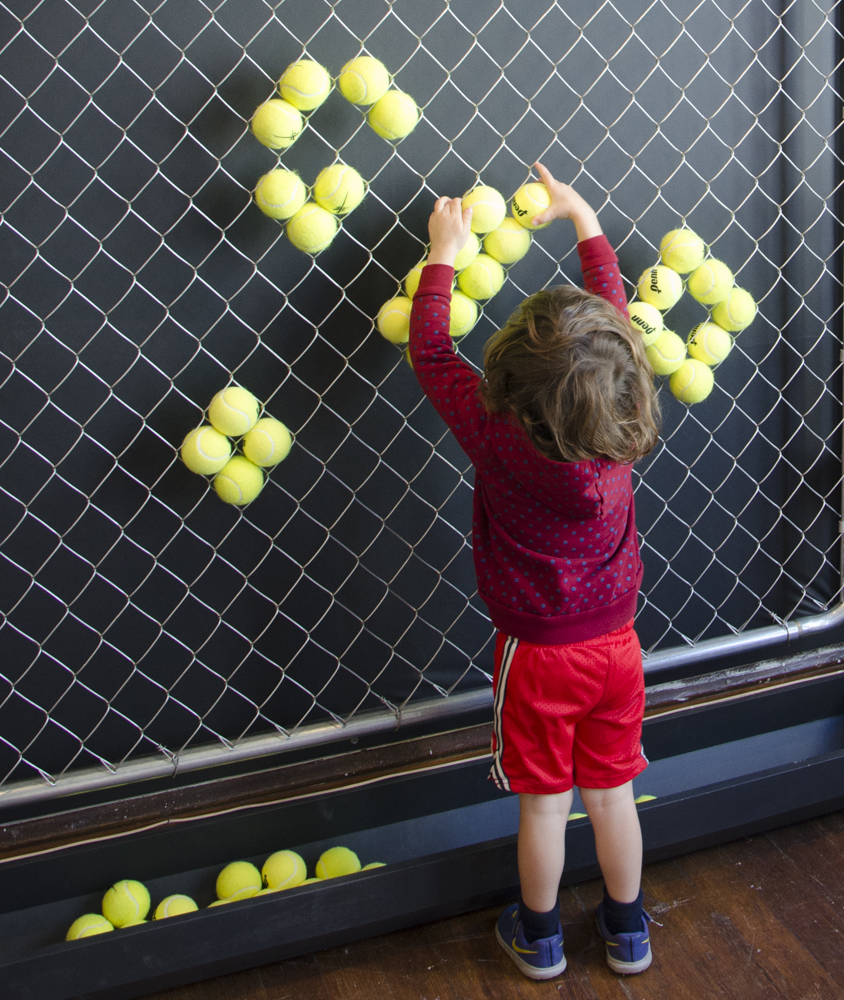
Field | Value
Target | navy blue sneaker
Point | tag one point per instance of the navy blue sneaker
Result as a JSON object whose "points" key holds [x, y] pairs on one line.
{"points": [[627, 953], [541, 959]]}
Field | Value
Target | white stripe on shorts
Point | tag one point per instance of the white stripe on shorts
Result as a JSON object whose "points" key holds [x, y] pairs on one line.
{"points": [[497, 773]]}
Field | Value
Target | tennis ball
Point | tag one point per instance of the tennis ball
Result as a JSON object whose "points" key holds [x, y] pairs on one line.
{"points": [[682, 250], [736, 311], [280, 194], [205, 450], [126, 903], [337, 861], [692, 382], [305, 84], [463, 315], [644, 798], [467, 253], [482, 279], [509, 242], [312, 228], [174, 906], [414, 276], [88, 925], [239, 481], [393, 320], [528, 202], [267, 443], [488, 208], [284, 870], [233, 411], [310, 881], [277, 124], [223, 902], [373, 864], [239, 880], [709, 343], [647, 320], [364, 80], [339, 189], [711, 282], [660, 286], [394, 115], [666, 353]]}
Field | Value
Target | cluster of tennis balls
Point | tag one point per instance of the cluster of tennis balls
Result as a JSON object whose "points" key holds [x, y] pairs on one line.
{"points": [[127, 904], [495, 242], [278, 123], [233, 413], [711, 283]]}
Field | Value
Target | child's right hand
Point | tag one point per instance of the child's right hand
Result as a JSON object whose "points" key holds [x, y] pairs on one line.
{"points": [[449, 228], [566, 203]]}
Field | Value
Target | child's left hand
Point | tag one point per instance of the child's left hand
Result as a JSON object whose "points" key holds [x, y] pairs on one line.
{"points": [[449, 228]]}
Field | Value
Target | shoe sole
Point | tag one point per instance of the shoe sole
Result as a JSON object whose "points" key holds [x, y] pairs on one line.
{"points": [[530, 970], [629, 968]]}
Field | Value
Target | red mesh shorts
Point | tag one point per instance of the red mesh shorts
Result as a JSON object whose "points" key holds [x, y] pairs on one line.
{"points": [[568, 715]]}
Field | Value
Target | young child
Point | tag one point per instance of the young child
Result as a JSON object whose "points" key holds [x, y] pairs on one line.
{"points": [[566, 405]]}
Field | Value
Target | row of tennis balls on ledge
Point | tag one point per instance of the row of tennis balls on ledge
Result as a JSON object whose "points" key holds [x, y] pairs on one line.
{"points": [[233, 413], [128, 903]]}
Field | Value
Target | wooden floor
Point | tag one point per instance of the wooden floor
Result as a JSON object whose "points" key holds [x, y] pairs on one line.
{"points": [[758, 919]]}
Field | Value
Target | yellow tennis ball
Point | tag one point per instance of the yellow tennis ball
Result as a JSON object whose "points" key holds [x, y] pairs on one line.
{"points": [[174, 906], [709, 343], [373, 864], [337, 861], [647, 320], [239, 481], [682, 250], [284, 870], [463, 315], [305, 84], [239, 880], [205, 450], [280, 194], [467, 253], [482, 279], [692, 382], [666, 353], [414, 276], [222, 902], [488, 208], [312, 228], [126, 903], [310, 881], [711, 282], [393, 320], [736, 311], [267, 443], [277, 124], [528, 202], [233, 411], [88, 925], [509, 242], [339, 189], [660, 286], [364, 80], [394, 115]]}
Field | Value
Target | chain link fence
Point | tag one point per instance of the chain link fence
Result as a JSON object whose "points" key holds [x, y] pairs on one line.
{"points": [[141, 616]]}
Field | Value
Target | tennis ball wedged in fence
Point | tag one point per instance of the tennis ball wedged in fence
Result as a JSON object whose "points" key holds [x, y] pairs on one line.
{"points": [[660, 286], [711, 282], [337, 861], [482, 279], [736, 311], [284, 870], [239, 880], [394, 115], [393, 320], [277, 124], [692, 382], [239, 481], [682, 250], [647, 320], [233, 410], [509, 242], [88, 925], [174, 906], [666, 353], [528, 202], [467, 253], [364, 80], [205, 450], [414, 276], [339, 189], [267, 443], [280, 194], [488, 208], [305, 84], [709, 343], [126, 903], [463, 315], [312, 228]]}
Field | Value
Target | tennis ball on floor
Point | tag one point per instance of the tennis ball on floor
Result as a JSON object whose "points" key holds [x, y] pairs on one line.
{"points": [[364, 80], [736, 311], [709, 343], [239, 880], [692, 382], [647, 320], [239, 481], [312, 228], [660, 286], [205, 450], [280, 194], [528, 202], [284, 870], [666, 353], [174, 906], [482, 279], [509, 242], [88, 925], [233, 411], [393, 320], [339, 189], [462, 316], [394, 115], [305, 84], [277, 124], [488, 208], [267, 443], [126, 903], [711, 282], [337, 861], [682, 250], [467, 253], [373, 864]]}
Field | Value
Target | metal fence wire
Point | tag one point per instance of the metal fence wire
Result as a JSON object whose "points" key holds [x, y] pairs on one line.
{"points": [[140, 615]]}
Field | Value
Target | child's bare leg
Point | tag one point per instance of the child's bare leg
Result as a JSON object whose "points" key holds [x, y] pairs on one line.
{"points": [[618, 838], [542, 831]]}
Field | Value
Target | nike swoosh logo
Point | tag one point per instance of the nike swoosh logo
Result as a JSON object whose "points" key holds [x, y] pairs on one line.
{"points": [[523, 951]]}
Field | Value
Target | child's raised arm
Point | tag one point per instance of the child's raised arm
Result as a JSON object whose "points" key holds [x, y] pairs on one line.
{"points": [[566, 203], [449, 228]]}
